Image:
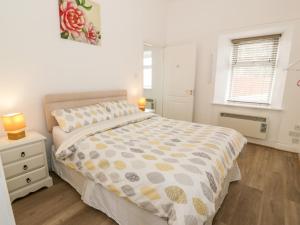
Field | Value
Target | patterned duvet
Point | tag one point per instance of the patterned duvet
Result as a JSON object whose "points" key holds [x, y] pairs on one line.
{"points": [[173, 169]]}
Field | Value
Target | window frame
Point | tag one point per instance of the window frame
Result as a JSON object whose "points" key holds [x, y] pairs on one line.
{"points": [[222, 63], [274, 75], [150, 87]]}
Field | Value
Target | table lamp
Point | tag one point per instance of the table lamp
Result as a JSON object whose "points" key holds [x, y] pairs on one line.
{"points": [[142, 104], [14, 125]]}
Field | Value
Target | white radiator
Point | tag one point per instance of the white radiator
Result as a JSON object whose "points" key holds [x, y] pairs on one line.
{"points": [[250, 126]]}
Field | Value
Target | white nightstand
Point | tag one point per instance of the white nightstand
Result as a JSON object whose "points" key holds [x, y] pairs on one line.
{"points": [[25, 164], [150, 110]]}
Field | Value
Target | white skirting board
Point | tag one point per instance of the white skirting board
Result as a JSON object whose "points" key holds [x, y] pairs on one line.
{"points": [[276, 145]]}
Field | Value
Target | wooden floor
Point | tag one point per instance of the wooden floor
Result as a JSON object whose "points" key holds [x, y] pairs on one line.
{"points": [[268, 194]]}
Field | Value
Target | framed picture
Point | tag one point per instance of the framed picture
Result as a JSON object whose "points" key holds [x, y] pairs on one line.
{"points": [[80, 21]]}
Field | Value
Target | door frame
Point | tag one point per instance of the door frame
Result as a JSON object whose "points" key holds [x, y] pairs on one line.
{"points": [[195, 79]]}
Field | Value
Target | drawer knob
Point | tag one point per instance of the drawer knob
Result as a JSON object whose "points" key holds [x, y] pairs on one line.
{"points": [[25, 167], [28, 180], [23, 154]]}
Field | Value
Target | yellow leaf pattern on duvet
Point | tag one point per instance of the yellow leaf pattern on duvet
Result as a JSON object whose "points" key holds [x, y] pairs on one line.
{"points": [[150, 193], [176, 194], [114, 189], [220, 167], [78, 125], [94, 139], [149, 157], [71, 165], [164, 148], [62, 123], [173, 169], [89, 165], [164, 166], [189, 145], [178, 155], [212, 146], [104, 164], [154, 142], [200, 206], [226, 157], [101, 146], [120, 165]]}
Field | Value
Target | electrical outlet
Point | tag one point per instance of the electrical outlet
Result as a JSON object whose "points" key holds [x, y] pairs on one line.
{"points": [[297, 127], [295, 141], [263, 127], [294, 134]]}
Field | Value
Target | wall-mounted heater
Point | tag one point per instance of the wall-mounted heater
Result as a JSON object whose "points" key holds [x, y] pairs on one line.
{"points": [[250, 126]]}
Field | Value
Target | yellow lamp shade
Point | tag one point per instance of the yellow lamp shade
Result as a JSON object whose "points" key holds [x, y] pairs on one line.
{"points": [[14, 125], [142, 103]]}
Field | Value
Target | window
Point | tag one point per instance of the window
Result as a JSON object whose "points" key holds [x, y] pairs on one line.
{"points": [[147, 69], [253, 69]]}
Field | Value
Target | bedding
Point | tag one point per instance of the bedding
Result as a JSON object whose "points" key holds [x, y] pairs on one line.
{"points": [[96, 196], [75, 118], [173, 169], [59, 136], [120, 108]]}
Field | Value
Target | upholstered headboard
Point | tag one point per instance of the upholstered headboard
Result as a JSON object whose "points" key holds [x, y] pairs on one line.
{"points": [[70, 100]]}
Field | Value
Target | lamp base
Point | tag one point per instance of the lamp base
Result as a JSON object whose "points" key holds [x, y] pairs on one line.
{"points": [[142, 108], [16, 136]]}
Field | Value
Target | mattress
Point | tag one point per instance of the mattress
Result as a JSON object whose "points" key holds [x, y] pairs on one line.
{"points": [[117, 208]]}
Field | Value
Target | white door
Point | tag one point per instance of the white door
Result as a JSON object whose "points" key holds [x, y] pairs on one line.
{"points": [[180, 70]]}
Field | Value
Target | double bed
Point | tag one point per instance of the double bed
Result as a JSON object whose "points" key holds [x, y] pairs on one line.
{"points": [[166, 160]]}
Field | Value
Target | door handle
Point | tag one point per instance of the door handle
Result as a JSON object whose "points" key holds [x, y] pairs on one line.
{"points": [[189, 92]]}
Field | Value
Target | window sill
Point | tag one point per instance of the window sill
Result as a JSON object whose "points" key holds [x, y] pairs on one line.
{"points": [[240, 105]]}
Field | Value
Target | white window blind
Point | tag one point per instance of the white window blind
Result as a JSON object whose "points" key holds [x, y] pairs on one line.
{"points": [[147, 69], [254, 64]]}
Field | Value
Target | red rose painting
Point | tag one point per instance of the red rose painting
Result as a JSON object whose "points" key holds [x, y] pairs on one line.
{"points": [[80, 21]]}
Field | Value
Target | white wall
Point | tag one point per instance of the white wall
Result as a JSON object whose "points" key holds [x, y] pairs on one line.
{"points": [[203, 21], [154, 21], [35, 61], [154, 33]]}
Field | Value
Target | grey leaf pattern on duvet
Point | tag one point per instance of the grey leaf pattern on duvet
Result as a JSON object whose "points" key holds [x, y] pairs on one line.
{"points": [[173, 169], [211, 181]]}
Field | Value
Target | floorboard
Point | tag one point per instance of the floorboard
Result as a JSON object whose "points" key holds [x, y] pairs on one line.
{"points": [[269, 193]]}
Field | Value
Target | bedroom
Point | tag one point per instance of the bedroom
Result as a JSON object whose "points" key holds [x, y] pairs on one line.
{"points": [[41, 72]]}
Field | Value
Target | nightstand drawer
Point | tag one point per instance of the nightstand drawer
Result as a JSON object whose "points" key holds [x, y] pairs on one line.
{"points": [[24, 166], [23, 152], [26, 179]]}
